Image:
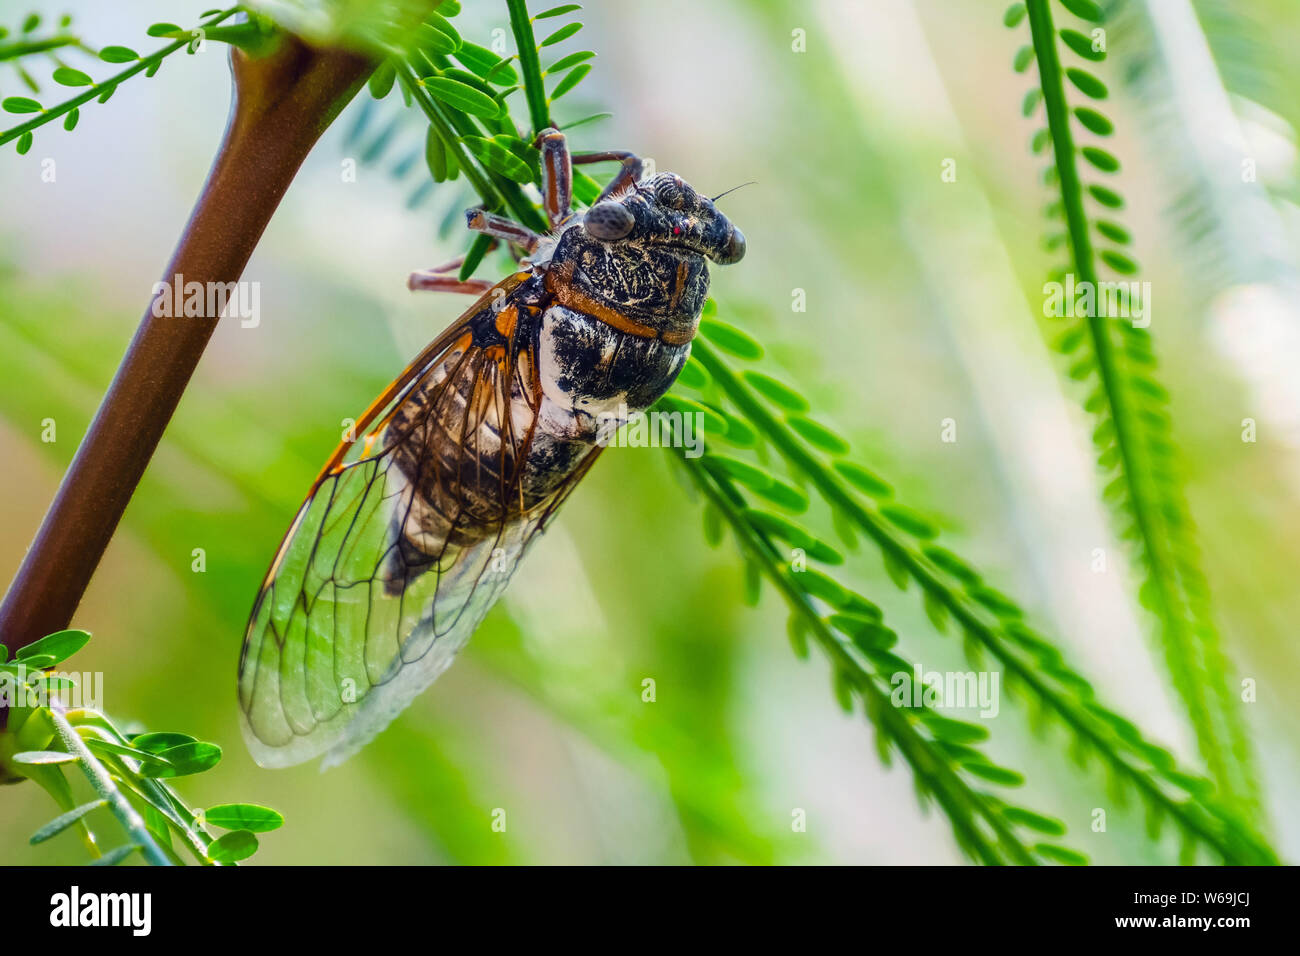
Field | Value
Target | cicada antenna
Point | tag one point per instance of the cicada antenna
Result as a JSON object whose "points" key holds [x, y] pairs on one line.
{"points": [[752, 182]]}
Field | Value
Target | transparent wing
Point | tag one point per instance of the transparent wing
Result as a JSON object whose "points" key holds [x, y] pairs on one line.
{"points": [[397, 555]]}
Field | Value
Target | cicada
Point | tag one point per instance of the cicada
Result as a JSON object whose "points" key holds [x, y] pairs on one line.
{"points": [[413, 529]]}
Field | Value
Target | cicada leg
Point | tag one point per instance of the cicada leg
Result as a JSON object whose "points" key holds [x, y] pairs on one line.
{"points": [[632, 168], [557, 176], [499, 227], [430, 281]]}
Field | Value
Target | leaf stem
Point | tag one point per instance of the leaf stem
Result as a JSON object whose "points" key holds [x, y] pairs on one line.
{"points": [[837, 496], [958, 799], [103, 783], [539, 111], [1185, 652], [54, 112]]}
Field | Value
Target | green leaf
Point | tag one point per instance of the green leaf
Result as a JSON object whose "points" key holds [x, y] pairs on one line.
{"points": [[818, 435], [498, 158], [70, 120], [730, 339], [786, 495], [953, 731], [862, 479], [430, 39], [954, 565], [243, 816], [35, 662], [1118, 261], [1094, 121], [913, 522], [1015, 13], [1107, 197], [1082, 45], [41, 758], [572, 59], [462, 96], [1060, 854], [163, 29], [118, 54], [753, 584], [156, 743], [1087, 84], [557, 11], [794, 534], [1084, 9], [994, 774], [866, 634], [61, 645], [381, 81], [797, 629], [1034, 821], [742, 471], [486, 64], [441, 24], [184, 760], [842, 687], [1024, 56], [714, 526], [115, 856], [4, 653], [693, 375], [66, 76], [20, 104], [995, 601], [108, 746], [778, 393], [64, 820], [1113, 231], [822, 586], [562, 34], [1103, 160], [572, 79]]}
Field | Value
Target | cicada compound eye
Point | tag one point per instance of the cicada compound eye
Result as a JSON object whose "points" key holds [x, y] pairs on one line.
{"points": [[671, 192], [608, 221]]}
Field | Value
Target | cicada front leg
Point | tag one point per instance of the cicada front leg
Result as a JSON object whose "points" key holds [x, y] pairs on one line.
{"points": [[557, 176], [628, 175]]}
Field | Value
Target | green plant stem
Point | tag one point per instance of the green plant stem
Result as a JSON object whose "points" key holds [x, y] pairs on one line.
{"points": [[54, 112], [837, 496], [1184, 651], [154, 792], [539, 111], [958, 799], [107, 791], [15, 51]]}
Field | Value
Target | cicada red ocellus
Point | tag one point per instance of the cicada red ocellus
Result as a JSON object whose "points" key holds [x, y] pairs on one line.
{"points": [[412, 531]]}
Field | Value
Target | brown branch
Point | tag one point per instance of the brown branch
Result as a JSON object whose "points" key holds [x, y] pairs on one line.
{"points": [[281, 104]]}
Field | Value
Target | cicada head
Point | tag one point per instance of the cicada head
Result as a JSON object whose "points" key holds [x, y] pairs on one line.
{"points": [[666, 211], [645, 251]]}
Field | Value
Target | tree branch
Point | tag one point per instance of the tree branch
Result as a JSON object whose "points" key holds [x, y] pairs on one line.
{"points": [[281, 104]]}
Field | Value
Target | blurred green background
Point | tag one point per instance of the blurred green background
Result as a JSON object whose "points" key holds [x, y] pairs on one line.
{"points": [[922, 297]]}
